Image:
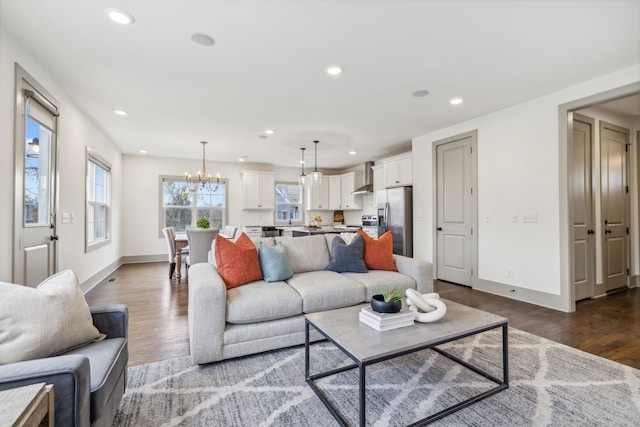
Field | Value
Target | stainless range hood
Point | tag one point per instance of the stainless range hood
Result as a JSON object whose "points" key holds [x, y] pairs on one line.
{"points": [[368, 180]]}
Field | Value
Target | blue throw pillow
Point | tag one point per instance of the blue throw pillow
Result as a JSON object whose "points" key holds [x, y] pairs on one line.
{"points": [[274, 263], [347, 258]]}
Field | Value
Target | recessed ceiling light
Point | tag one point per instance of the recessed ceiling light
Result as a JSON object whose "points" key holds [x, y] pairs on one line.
{"points": [[120, 112], [119, 16], [334, 70], [202, 39], [143, 151], [269, 131], [456, 101], [352, 153], [420, 93]]}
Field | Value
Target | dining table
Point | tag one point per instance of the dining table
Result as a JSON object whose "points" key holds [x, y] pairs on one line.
{"points": [[180, 242]]}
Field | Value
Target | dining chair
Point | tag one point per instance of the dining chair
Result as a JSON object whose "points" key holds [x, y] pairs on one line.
{"points": [[170, 237], [229, 231], [199, 244]]}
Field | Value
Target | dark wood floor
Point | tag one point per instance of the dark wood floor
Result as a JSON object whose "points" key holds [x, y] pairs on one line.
{"points": [[608, 327]]}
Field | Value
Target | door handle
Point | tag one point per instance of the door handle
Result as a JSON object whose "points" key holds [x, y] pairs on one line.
{"points": [[591, 231], [439, 229], [54, 237], [607, 231]]}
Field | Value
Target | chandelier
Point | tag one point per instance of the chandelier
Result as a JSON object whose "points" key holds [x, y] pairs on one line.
{"points": [[203, 179], [302, 178], [316, 175]]}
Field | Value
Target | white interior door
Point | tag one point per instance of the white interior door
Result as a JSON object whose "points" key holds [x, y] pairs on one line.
{"points": [[455, 210], [35, 239], [613, 170], [584, 247]]}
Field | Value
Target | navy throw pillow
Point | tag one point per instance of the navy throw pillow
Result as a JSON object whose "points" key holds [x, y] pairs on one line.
{"points": [[347, 258]]}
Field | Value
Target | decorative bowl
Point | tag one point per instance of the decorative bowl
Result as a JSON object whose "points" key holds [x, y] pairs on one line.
{"points": [[381, 306]]}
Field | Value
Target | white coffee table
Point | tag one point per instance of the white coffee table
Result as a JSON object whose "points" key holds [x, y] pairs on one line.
{"points": [[366, 346]]}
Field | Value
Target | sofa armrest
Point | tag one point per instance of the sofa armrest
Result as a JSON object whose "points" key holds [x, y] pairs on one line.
{"points": [[419, 270], [207, 313], [71, 378], [111, 320]]}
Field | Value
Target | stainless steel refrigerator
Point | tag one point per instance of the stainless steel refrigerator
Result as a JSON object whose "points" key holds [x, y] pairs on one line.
{"points": [[395, 213]]}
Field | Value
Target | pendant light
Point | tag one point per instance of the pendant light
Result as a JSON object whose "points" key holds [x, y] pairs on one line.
{"points": [[302, 178], [316, 175], [203, 180]]}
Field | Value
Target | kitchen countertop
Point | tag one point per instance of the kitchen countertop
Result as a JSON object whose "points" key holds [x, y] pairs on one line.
{"points": [[297, 231]]}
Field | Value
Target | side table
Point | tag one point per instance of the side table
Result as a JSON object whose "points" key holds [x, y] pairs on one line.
{"points": [[27, 406]]}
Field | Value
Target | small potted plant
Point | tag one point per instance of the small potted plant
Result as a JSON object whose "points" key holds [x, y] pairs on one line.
{"points": [[203, 223], [315, 221], [388, 301]]}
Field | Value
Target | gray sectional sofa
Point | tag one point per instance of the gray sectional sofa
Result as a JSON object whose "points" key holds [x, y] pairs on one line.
{"points": [[261, 316]]}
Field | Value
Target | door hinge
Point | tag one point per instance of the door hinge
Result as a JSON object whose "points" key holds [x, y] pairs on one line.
{"points": [[472, 231], [472, 271], [627, 271], [471, 190], [626, 189], [471, 150], [627, 230]]}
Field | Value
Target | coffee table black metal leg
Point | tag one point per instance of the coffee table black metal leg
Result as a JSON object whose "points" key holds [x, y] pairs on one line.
{"points": [[363, 395], [306, 350]]}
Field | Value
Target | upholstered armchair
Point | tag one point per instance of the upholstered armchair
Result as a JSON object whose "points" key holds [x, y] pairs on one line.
{"points": [[88, 381]]}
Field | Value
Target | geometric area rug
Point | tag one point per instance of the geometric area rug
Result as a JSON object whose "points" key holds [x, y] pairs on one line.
{"points": [[550, 384]]}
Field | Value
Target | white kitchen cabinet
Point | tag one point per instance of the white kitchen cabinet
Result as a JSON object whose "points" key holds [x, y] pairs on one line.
{"points": [[335, 191], [318, 194], [349, 182], [259, 190], [378, 178], [398, 172]]}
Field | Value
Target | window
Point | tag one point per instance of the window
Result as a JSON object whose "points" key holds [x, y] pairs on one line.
{"points": [[289, 203], [182, 203], [98, 210]]}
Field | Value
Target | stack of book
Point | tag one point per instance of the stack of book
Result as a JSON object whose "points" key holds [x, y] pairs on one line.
{"points": [[385, 321]]}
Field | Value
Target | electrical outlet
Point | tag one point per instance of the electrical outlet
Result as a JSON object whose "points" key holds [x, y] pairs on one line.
{"points": [[514, 217], [530, 217]]}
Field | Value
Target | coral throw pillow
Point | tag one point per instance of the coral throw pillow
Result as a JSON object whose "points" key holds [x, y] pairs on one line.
{"points": [[237, 262], [378, 254]]}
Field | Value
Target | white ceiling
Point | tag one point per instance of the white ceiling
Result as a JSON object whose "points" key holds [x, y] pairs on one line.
{"points": [[267, 68]]}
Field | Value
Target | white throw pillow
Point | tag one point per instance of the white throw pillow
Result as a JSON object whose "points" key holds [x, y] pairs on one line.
{"points": [[45, 321]]}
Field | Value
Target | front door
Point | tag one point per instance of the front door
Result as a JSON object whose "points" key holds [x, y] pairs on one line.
{"points": [[36, 123], [584, 245], [455, 176], [613, 175]]}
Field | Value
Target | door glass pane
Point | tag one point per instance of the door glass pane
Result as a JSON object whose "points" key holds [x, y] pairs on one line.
{"points": [[37, 174]]}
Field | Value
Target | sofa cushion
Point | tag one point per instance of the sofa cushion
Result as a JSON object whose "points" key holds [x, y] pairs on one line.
{"points": [[375, 280], [261, 301], [237, 262], [378, 254], [108, 362], [347, 257], [274, 263], [308, 253], [326, 290], [45, 321]]}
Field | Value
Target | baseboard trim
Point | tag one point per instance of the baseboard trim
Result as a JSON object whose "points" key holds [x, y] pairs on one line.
{"points": [[91, 282], [94, 280], [137, 259], [555, 302]]}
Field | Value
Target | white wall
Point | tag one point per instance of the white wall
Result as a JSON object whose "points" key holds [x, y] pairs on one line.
{"points": [[518, 172], [74, 134]]}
